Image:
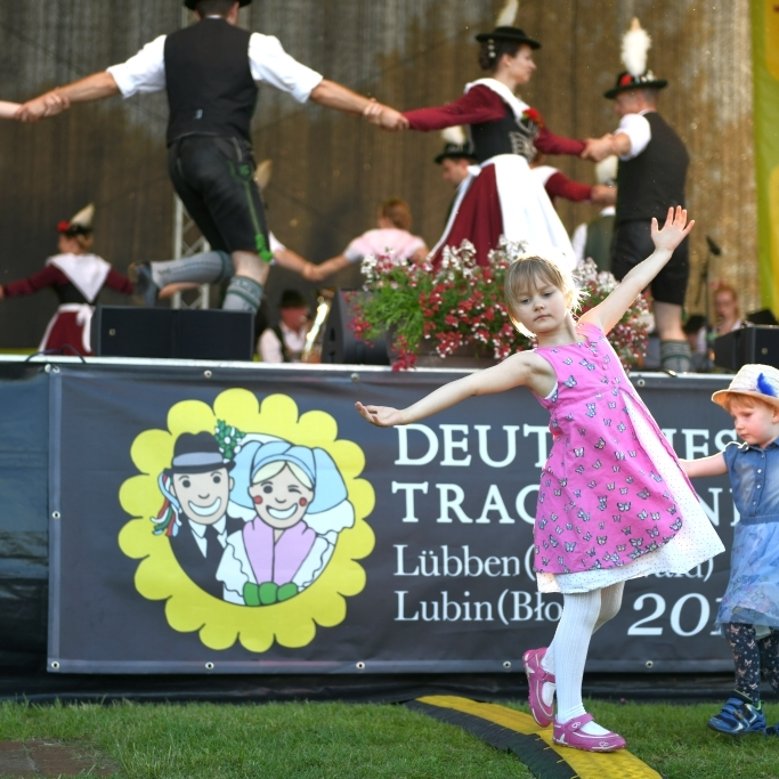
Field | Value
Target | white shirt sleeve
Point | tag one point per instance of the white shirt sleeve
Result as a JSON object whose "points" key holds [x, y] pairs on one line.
{"points": [[579, 241], [636, 127], [144, 71], [270, 347], [272, 65]]}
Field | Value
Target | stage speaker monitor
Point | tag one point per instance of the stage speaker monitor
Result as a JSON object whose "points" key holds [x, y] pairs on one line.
{"points": [[184, 334], [758, 344], [339, 344]]}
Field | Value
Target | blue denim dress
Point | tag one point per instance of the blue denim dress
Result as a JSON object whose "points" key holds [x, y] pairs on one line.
{"points": [[752, 594]]}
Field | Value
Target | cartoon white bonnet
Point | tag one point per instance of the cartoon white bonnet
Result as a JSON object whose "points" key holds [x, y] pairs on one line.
{"points": [[320, 468]]}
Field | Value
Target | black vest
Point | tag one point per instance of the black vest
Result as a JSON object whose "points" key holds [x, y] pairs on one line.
{"points": [[504, 136], [654, 180], [209, 82]]}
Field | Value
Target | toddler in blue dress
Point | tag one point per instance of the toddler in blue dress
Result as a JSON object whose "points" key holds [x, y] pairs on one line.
{"points": [[749, 612]]}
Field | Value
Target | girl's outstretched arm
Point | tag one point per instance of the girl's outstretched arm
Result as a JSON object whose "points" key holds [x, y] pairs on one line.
{"points": [[522, 369], [676, 228]]}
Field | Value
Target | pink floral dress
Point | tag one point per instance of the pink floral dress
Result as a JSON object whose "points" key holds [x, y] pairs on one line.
{"points": [[613, 502]]}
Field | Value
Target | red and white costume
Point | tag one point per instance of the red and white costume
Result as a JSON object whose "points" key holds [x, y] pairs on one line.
{"points": [[77, 279], [504, 198]]}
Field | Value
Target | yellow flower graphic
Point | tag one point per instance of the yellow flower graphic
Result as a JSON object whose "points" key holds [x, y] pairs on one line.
{"points": [[290, 623]]}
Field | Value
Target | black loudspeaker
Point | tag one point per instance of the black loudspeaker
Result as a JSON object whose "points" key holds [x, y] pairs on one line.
{"points": [[758, 344], [762, 317], [339, 344], [184, 334]]}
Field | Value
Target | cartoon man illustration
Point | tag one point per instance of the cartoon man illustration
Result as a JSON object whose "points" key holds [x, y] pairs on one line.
{"points": [[197, 487]]}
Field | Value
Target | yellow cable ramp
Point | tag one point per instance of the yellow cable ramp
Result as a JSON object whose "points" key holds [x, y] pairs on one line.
{"points": [[514, 731]]}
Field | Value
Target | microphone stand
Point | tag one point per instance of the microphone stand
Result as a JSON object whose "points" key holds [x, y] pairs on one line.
{"points": [[703, 288]]}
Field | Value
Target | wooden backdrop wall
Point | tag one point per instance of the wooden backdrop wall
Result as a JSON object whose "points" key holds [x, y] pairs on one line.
{"points": [[331, 170]]}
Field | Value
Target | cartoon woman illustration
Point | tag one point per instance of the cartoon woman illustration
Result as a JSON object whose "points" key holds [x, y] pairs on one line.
{"points": [[298, 504]]}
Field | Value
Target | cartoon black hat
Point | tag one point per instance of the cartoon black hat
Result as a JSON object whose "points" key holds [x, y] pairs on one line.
{"points": [[197, 453], [635, 45], [507, 33], [192, 3]]}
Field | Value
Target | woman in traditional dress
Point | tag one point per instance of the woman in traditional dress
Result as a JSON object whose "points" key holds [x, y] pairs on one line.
{"points": [[504, 199], [77, 276]]}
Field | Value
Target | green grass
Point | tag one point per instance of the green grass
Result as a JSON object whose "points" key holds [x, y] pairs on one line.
{"points": [[374, 741]]}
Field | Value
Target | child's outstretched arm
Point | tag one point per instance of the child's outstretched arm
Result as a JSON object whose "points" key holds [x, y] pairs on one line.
{"points": [[713, 465], [522, 369], [676, 228]]}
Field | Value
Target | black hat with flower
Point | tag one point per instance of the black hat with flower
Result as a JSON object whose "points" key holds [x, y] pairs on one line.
{"points": [[79, 224], [456, 146], [508, 34], [505, 32], [635, 45]]}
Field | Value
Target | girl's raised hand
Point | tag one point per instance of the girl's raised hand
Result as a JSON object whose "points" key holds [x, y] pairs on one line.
{"points": [[381, 416], [674, 231]]}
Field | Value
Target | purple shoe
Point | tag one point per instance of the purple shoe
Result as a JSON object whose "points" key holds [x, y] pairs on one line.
{"points": [[569, 734], [542, 713]]}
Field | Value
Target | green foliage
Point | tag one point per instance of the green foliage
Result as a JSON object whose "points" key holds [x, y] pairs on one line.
{"points": [[460, 305]]}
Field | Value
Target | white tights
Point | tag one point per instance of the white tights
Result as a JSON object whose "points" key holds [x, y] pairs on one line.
{"points": [[583, 614]]}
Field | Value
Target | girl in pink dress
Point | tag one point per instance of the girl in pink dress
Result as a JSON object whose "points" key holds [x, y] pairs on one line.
{"points": [[613, 502]]}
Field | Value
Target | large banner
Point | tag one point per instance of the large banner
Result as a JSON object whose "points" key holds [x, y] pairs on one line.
{"points": [[765, 67], [230, 520]]}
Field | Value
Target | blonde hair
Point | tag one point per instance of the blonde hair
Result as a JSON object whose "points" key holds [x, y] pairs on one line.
{"points": [[274, 468], [531, 272]]}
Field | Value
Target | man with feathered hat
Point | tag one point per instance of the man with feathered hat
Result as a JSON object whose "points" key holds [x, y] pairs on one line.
{"points": [[211, 71], [652, 173]]}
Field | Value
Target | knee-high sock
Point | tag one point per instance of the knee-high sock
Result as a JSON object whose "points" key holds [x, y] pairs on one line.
{"points": [[569, 650], [610, 603], [203, 268], [675, 356], [243, 294]]}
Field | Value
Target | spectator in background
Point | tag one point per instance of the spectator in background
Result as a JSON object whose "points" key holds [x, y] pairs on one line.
{"points": [[727, 312], [285, 341], [593, 239]]}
